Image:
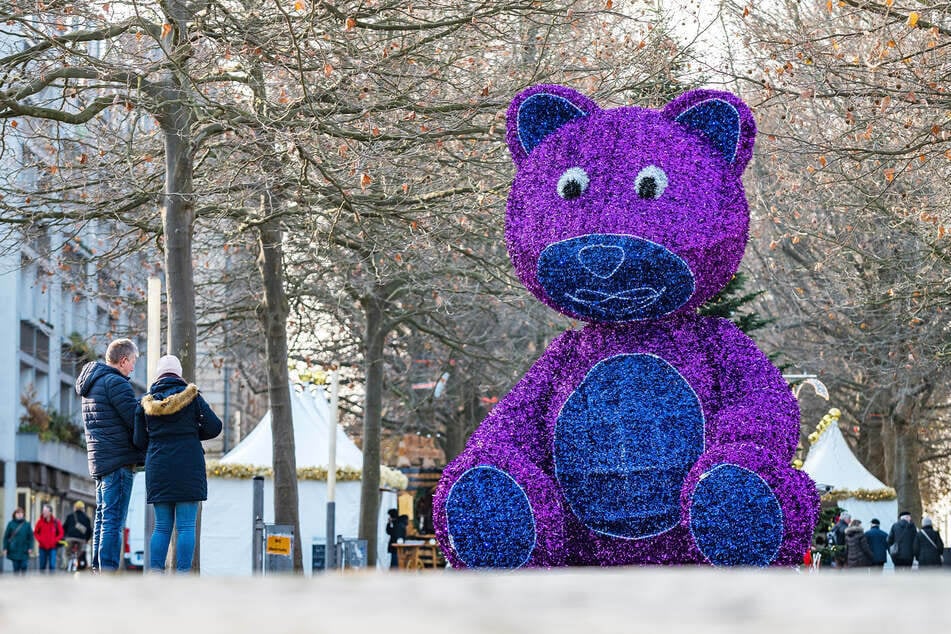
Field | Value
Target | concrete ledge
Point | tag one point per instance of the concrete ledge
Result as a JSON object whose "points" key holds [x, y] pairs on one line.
{"points": [[617, 601], [29, 448]]}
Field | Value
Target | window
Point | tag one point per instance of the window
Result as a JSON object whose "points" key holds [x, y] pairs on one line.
{"points": [[35, 379], [70, 362], [34, 342], [69, 405], [34, 291]]}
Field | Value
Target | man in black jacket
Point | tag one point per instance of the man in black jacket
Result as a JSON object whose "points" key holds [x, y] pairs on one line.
{"points": [[878, 543], [108, 416], [78, 530], [902, 535]]}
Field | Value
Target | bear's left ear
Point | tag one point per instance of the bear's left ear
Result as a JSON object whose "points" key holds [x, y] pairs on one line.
{"points": [[720, 117], [538, 112]]}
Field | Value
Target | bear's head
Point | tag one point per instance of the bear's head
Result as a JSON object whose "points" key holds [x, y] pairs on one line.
{"points": [[627, 214]]}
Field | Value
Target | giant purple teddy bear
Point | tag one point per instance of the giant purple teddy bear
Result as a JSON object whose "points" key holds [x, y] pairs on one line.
{"points": [[653, 435]]}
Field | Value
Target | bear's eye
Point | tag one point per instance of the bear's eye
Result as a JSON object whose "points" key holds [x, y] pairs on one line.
{"points": [[573, 183], [650, 182]]}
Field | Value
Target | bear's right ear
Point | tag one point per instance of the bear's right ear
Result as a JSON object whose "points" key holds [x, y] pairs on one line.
{"points": [[539, 111]]}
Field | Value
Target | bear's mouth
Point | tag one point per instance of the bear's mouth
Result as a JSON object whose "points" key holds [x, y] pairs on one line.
{"points": [[628, 302], [614, 278]]}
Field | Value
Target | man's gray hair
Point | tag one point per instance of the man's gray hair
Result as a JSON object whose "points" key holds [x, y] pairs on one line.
{"points": [[120, 349]]}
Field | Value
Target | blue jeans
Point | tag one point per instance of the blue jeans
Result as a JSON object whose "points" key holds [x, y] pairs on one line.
{"points": [[20, 566], [113, 492], [183, 515], [48, 556]]}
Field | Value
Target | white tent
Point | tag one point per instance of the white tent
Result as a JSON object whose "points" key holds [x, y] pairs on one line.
{"points": [[831, 463], [226, 521]]}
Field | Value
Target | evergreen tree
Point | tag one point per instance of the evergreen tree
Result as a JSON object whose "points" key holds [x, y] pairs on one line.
{"points": [[732, 303]]}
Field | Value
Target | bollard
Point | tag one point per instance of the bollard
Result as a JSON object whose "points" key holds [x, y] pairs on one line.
{"points": [[257, 517], [331, 552]]}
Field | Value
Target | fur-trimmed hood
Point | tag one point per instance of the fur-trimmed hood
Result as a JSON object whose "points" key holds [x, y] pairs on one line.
{"points": [[854, 530], [171, 404]]}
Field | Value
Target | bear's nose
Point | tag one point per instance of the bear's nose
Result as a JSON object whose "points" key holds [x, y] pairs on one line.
{"points": [[601, 260]]}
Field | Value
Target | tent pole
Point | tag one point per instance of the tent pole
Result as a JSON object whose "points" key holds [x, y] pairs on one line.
{"points": [[331, 552]]}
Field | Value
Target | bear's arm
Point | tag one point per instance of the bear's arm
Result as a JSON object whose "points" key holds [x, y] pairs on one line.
{"points": [[756, 404], [520, 420]]}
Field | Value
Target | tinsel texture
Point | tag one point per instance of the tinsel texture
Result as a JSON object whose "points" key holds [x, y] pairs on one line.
{"points": [[651, 436]]}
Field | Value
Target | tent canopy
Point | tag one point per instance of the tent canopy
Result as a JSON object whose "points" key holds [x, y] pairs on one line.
{"points": [[311, 414], [226, 534], [831, 463]]}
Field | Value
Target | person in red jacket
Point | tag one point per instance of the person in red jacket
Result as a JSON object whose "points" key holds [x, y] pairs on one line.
{"points": [[48, 532]]}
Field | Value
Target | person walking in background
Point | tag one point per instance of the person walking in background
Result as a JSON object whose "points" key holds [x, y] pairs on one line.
{"points": [[928, 545], [18, 542], [838, 533], [901, 541], [108, 415], [878, 543], [396, 526], [170, 424], [78, 530], [48, 533], [858, 553]]}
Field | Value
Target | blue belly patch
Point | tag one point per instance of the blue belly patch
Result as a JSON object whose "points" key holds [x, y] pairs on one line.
{"points": [[490, 520], [624, 442]]}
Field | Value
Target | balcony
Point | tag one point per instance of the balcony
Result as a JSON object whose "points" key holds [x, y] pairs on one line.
{"points": [[68, 458]]}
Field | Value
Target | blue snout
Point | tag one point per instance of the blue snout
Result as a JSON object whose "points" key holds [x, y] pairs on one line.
{"points": [[614, 278]]}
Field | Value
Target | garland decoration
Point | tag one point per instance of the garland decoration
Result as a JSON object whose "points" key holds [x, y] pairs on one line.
{"points": [[831, 418], [866, 495], [388, 477]]}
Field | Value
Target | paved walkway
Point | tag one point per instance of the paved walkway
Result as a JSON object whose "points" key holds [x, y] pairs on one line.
{"points": [[616, 601]]}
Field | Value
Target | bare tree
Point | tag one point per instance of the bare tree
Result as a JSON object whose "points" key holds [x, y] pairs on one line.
{"points": [[851, 193], [406, 175]]}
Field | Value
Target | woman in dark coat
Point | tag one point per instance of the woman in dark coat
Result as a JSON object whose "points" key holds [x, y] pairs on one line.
{"points": [[18, 542], [857, 552], [170, 423], [928, 545]]}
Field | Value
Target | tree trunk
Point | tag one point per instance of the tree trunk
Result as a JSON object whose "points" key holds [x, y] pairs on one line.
{"points": [[178, 218], [273, 315], [461, 423], [908, 403], [870, 447], [372, 414]]}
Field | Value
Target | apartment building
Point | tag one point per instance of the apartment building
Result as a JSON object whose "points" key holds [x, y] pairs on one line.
{"points": [[59, 309]]}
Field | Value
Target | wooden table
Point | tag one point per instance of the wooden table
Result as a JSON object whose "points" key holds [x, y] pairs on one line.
{"points": [[418, 554]]}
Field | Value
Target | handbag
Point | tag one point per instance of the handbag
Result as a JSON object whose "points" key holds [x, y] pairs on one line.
{"points": [[79, 526], [893, 549]]}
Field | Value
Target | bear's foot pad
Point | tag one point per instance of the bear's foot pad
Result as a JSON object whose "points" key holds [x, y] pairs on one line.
{"points": [[735, 517], [490, 519]]}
